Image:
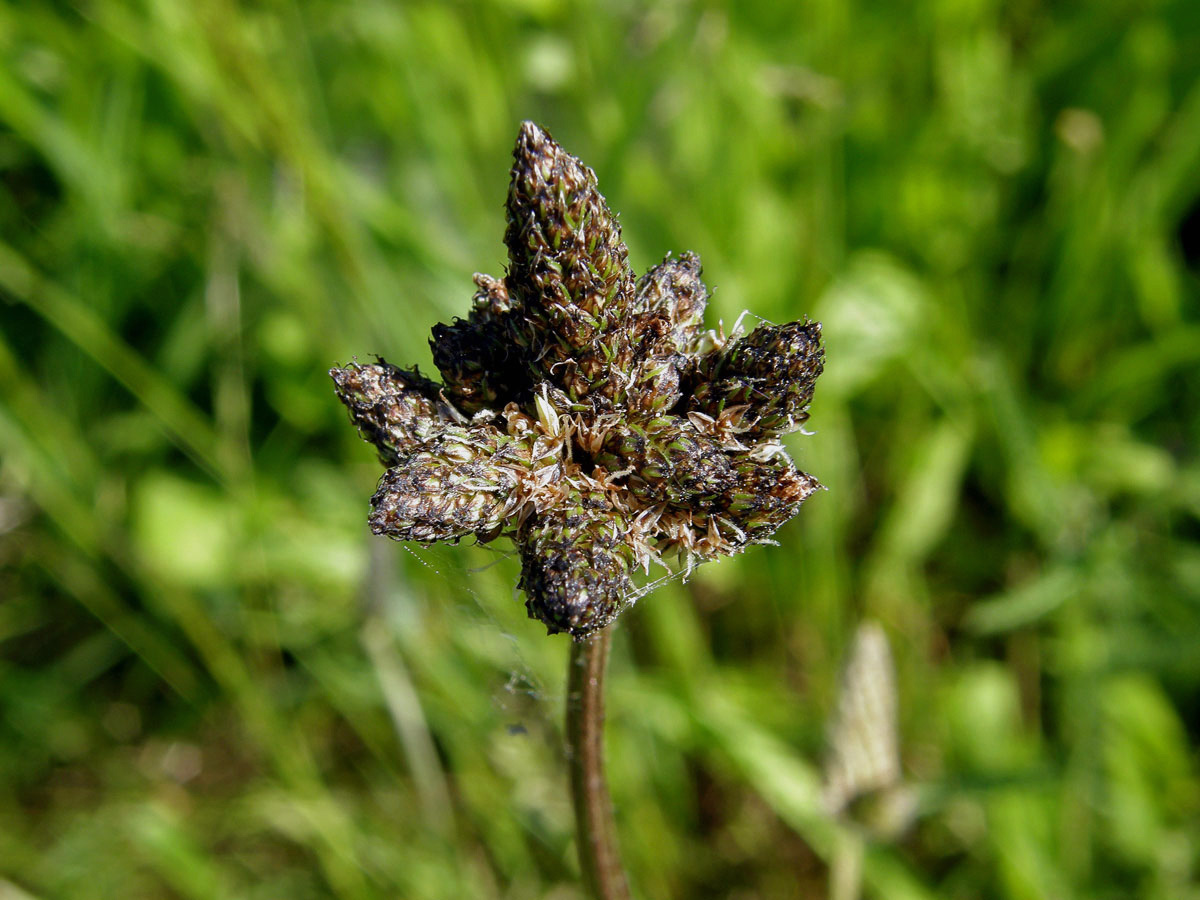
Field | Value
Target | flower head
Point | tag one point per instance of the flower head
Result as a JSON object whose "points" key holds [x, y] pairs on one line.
{"points": [[585, 414]]}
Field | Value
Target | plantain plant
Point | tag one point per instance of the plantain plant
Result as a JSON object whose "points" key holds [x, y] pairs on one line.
{"points": [[588, 416]]}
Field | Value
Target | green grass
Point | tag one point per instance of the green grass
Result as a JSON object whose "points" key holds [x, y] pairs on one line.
{"points": [[215, 683]]}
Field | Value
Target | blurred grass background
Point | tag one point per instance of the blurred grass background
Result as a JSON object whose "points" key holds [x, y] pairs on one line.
{"points": [[215, 683]]}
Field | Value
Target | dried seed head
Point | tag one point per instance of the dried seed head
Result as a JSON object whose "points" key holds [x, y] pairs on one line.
{"points": [[607, 428]]}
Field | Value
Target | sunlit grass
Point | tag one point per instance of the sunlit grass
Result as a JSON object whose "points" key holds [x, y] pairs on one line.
{"points": [[214, 683]]}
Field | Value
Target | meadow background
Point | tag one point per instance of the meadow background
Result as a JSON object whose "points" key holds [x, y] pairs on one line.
{"points": [[215, 683]]}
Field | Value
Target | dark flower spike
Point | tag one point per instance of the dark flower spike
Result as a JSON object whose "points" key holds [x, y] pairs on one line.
{"points": [[394, 410], [765, 494], [575, 563], [568, 267], [476, 356], [770, 372], [589, 418], [666, 328], [460, 483], [674, 290], [669, 461]]}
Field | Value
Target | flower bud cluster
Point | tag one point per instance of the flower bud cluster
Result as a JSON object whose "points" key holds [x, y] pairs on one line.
{"points": [[585, 414]]}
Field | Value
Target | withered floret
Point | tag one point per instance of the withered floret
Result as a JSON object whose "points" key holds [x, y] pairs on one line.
{"points": [[586, 415]]}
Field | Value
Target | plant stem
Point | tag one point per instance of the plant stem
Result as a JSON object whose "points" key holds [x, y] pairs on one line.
{"points": [[595, 831]]}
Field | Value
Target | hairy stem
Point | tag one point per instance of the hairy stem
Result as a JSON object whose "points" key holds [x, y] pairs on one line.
{"points": [[595, 831]]}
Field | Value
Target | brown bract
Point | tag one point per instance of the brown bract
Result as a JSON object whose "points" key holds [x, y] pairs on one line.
{"points": [[586, 415]]}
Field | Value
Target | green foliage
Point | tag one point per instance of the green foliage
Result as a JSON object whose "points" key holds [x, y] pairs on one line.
{"points": [[215, 683]]}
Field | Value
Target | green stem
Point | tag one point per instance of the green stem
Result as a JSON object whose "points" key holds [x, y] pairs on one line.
{"points": [[595, 831]]}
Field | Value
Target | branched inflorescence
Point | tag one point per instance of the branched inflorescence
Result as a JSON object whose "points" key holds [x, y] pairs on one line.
{"points": [[586, 415]]}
